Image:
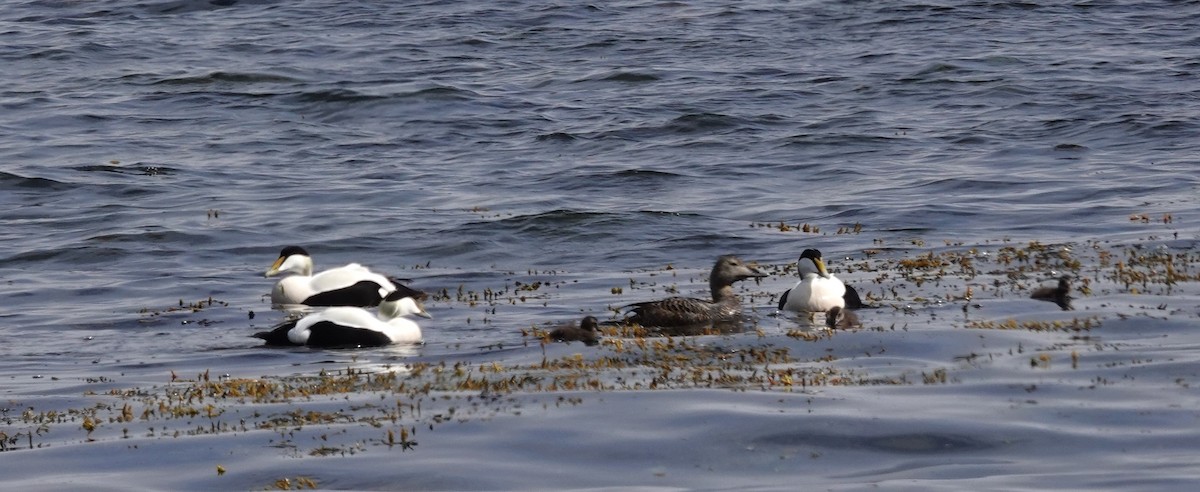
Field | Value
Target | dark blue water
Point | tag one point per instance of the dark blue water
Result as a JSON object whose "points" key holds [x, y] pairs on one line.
{"points": [[573, 158]]}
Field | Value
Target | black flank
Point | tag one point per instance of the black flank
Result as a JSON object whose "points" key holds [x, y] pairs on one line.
{"points": [[365, 293], [327, 334], [278, 336]]}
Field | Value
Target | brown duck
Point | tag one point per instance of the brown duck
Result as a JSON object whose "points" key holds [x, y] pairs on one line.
{"points": [[684, 311], [1061, 294], [587, 332], [841, 318]]}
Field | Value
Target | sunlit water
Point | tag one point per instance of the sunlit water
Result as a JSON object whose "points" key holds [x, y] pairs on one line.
{"points": [[530, 163]]}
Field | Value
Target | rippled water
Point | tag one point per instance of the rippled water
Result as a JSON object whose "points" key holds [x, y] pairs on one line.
{"points": [[570, 158]]}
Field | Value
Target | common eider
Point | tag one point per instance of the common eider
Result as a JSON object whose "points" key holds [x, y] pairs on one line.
{"points": [[685, 311], [349, 285], [1060, 294], [817, 291], [350, 327], [840, 318], [587, 332]]}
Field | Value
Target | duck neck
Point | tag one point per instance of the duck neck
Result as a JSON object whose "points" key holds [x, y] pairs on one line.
{"points": [[388, 311], [722, 292], [298, 265]]}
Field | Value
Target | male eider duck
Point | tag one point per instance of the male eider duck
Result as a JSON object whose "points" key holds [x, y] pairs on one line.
{"points": [[817, 291], [839, 318], [685, 311], [1060, 294], [349, 327], [349, 285], [587, 332]]}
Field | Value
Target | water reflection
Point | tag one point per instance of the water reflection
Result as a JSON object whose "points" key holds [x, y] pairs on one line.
{"points": [[922, 443]]}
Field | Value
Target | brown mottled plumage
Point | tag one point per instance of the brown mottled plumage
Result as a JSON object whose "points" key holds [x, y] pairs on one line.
{"points": [[684, 311]]}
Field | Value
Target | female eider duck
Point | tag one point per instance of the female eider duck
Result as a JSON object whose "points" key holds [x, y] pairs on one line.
{"points": [[817, 291], [685, 311], [349, 285], [587, 332], [349, 327]]}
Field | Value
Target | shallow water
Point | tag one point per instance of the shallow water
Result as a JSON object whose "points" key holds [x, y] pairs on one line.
{"points": [[528, 164]]}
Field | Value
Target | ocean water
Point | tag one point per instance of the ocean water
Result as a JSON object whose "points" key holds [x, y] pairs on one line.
{"points": [[529, 163]]}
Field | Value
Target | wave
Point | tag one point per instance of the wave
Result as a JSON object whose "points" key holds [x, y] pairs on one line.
{"points": [[10, 181], [220, 77]]}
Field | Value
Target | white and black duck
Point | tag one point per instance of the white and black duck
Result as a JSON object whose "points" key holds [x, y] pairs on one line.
{"points": [[351, 327], [818, 291], [724, 307], [349, 285]]}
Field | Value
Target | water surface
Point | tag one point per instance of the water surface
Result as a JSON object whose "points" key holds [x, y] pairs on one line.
{"points": [[531, 163]]}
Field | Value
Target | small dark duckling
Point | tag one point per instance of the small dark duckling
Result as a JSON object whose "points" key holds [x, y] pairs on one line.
{"points": [[1060, 294], [686, 311], [587, 332], [839, 318]]}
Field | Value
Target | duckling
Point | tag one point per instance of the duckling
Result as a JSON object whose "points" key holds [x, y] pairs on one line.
{"points": [[587, 332], [818, 290], [349, 327], [684, 311], [1060, 294], [349, 285], [841, 318]]}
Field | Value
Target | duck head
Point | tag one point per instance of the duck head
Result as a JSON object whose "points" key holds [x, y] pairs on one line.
{"points": [[293, 259], [402, 302], [590, 323], [730, 269], [811, 262]]}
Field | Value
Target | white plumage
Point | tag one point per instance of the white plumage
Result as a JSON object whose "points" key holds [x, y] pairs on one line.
{"points": [[818, 291], [345, 327], [349, 285]]}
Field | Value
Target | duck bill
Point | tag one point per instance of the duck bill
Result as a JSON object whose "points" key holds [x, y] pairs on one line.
{"points": [[274, 270], [821, 268], [752, 272], [420, 307], [422, 312]]}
